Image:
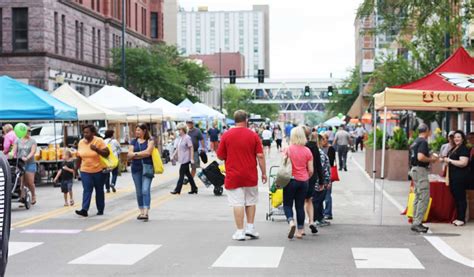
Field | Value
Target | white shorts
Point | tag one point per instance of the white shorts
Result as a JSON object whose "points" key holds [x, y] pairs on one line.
{"points": [[243, 197]]}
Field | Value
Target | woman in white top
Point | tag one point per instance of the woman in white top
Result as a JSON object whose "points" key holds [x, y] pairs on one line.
{"points": [[267, 140]]}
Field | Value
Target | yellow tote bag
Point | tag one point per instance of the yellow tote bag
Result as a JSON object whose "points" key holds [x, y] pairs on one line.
{"points": [[277, 198], [157, 162], [111, 162], [411, 200]]}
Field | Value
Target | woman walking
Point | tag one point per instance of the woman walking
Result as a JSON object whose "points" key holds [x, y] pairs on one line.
{"points": [[116, 149], [184, 154], [278, 135], [25, 149], [139, 152], [458, 175], [295, 192], [89, 150]]}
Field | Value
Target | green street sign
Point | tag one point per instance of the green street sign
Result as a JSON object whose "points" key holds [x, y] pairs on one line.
{"points": [[345, 91]]}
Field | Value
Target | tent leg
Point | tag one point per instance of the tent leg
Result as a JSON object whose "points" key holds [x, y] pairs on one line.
{"points": [[382, 174], [373, 157]]}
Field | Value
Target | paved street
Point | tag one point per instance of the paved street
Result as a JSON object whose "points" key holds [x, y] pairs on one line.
{"points": [[191, 235]]}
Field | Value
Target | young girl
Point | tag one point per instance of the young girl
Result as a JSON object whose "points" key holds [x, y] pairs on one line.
{"points": [[67, 176]]}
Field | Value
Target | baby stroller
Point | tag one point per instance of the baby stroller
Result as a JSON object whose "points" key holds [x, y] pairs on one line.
{"points": [[275, 203], [212, 176], [18, 170]]}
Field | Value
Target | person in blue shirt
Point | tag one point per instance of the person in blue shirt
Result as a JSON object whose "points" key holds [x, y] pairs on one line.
{"points": [[288, 129]]}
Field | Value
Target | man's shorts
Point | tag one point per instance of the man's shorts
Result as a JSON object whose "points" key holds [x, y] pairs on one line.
{"points": [[66, 186], [243, 197], [197, 160]]}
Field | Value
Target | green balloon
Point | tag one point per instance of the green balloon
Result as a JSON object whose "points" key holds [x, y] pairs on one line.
{"points": [[340, 115], [20, 130]]}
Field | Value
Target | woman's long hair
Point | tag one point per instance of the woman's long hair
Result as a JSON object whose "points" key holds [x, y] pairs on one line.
{"points": [[146, 133]]}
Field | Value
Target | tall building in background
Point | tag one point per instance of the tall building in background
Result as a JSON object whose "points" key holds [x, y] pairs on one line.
{"points": [[208, 32], [170, 21], [48, 42]]}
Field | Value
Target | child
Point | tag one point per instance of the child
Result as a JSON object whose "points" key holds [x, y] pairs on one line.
{"points": [[67, 175]]}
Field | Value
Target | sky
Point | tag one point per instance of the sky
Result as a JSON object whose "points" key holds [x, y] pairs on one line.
{"points": [[308, 38]]}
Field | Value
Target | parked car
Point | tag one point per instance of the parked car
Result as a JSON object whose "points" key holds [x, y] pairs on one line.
{"points": [[44, 135]]}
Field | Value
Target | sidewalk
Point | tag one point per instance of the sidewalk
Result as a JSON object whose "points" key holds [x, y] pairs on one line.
{"points": [[460, 239]]}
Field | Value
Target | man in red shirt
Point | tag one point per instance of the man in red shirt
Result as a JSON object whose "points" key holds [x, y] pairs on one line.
{"points": [[240, 148]]}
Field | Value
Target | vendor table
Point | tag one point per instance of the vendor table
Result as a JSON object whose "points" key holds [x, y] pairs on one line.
{"points": [[50, 168]]}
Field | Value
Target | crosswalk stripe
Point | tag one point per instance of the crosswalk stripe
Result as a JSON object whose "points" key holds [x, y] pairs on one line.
{"points": [[386, 258], [250, 257], [116, 254], [15, 247], [51, 231]]}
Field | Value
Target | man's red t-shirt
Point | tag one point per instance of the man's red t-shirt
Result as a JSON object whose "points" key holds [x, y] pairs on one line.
{"points": [[239, 148]]}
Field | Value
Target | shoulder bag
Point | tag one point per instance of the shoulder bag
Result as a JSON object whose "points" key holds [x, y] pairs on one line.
{"points": [[285, 172], [148, 170]]}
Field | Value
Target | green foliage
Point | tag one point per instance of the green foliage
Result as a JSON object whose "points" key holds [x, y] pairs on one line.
{"points": [[237, 99], [159, 71], [342, 103], [379, 136], [438, 141], [399, 141], [414, 136]]}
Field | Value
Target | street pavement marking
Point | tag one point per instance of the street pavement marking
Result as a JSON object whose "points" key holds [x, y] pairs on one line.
{"points": [[386, 258], [116, 254], [15, 247], [51, 231], [57, 212], [250, 257]]}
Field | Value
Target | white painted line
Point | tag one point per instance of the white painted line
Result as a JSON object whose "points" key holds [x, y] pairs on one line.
{"points": [[15, 247], [435, 241], [51, 231], [250, 257], [392, 258], [116, 254]]}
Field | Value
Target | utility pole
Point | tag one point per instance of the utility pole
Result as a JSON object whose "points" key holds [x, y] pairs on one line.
{"points": [[123, 44]]}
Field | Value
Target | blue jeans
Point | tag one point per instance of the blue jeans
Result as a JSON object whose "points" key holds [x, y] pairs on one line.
{"points": [[142, 188], [91, 181], [328, 203], [114, 178], [295, 192]]}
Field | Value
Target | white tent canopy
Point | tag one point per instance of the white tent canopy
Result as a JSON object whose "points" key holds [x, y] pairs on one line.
{"points": [[171, 111], [209, 111], [188, 106], [334, 122], [86, 109], [122, 100]]}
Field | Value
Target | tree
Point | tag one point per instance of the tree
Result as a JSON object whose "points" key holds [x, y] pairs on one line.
{"points": [[237, 99], [159, 71]]}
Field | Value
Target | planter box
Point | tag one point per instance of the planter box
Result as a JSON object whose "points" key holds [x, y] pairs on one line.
{"points": [[378, 162], [397, 165], [470, 204]]}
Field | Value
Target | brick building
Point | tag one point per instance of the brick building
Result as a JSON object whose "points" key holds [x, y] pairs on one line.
{"points": [[46, 42]]}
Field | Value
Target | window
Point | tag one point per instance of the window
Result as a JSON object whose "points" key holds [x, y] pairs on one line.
{"points": [[98, 47], [113, 40], [129, 21], [144, 22], [93, 45], [20, 29], [92, 4], [115, 8], [136, 17], [1, 29], [56, 33], [154, 25], [98, 5], [82, 41], [63, 34], [77, 39]]}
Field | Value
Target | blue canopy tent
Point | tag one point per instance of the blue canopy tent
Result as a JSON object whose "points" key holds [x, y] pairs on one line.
{"points": [[19, 101]]}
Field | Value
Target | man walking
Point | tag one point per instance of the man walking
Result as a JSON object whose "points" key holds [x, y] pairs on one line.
{"points": [[420, 160], [359, 132], [241, 148], [342, 140], [196, 137]]}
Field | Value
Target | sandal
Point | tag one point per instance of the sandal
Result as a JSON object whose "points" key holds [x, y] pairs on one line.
{"points": [[140, 217], [71, 202], [66, 205]]}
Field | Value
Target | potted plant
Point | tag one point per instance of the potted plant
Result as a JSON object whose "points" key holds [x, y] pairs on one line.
{"points": [[397, 156], [378, 153], [435, 146]]}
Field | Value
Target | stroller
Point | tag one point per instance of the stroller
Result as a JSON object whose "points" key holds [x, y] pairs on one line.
{"points": [[212, 175], [17, 171], [275, 203]]}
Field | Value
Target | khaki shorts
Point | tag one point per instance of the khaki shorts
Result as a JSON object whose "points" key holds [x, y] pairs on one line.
{"points": [[243, 197]]}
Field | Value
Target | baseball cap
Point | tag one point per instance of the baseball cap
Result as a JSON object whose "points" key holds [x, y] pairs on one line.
{"points": [[423, 128]]}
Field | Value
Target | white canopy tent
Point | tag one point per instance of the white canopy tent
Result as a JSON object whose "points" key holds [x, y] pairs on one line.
{"points": [[122, 100], [171, 111], [209, 111], [334, 122], [188, 106], [86, 109]]}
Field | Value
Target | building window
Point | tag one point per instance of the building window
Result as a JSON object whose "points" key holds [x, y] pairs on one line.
{"points": [[115, 8], [82, 41], [144, 21], [1, 29], [98, 47], [63, 34], [136, 17], [98, 5], [77, 40], [154, 25], [20, 29], [93, 45], [129, 6], [56, 33], [92, 4]]}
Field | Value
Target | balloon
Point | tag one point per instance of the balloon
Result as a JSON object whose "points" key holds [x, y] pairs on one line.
{"points": [[340, 115], [20, 130]]}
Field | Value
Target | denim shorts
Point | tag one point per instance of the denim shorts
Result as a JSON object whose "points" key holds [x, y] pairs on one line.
{"points": [[31, 167], [66, 186]]}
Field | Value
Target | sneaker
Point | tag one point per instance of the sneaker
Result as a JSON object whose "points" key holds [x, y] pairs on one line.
{"points": [[314, 229], [418, 229], [82, 213], [458, 223], [252, 233], [426, 227], [100, 213], [239, 235], [322, 223], [328, 217], [291, 232]]}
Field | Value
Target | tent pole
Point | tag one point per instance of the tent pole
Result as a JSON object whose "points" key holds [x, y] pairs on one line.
{"points": [[382, 174], [374, 154]]}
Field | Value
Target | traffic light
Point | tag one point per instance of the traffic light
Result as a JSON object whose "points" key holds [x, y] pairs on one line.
{"points": [[261, 76], [307, 91], [232, 75], [330, 91]]}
